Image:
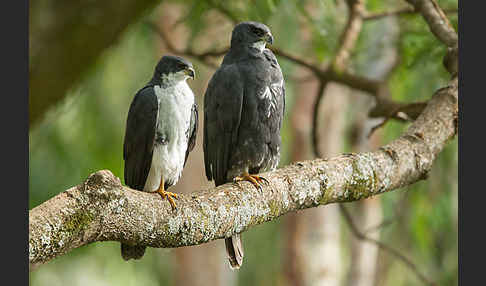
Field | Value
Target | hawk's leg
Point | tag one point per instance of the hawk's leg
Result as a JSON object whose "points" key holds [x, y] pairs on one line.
{"points": [[254, 179], [165, 194]]}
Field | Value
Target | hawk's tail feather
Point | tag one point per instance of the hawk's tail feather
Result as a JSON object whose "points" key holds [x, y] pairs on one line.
{"points": [[132, 252], [234, 250]]}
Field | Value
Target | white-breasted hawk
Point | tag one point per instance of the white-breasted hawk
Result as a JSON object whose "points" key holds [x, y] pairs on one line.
{"points": [[161, 131]]}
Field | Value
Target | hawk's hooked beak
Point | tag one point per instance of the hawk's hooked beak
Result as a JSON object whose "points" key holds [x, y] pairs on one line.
{"points": [[190, 72], [268, 38]]}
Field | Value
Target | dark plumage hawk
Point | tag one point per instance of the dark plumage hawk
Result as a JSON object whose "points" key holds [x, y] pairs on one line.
{"points": [[243, 111], [161, 131]]}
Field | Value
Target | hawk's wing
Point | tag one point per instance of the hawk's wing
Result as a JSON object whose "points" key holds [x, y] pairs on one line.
{"points": [[222, 114], [277, 85], [139, 137], [191, 133]]}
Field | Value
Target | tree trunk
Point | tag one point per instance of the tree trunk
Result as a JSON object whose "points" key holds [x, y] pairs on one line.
{"points": [[313, 236], [368, 213]]}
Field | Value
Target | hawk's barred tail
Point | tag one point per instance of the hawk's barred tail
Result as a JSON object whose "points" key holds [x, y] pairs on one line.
{"points": [[234, 249], [132, 252]]}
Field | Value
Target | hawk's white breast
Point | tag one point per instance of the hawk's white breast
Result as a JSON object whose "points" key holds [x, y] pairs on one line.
{"points": [[175, 105]]}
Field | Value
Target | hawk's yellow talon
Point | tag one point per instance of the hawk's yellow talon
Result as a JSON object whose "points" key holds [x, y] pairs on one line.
{"points": [[254, 179], [169, 196], [165, 194]]}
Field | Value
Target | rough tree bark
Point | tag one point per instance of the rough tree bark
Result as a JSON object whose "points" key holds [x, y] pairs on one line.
{"points": [[101, 209]]}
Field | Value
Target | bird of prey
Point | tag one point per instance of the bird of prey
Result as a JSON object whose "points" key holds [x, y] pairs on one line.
{"points": [[160, 132], [243, 111]]}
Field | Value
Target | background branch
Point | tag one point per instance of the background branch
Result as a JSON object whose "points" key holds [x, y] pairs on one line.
{"points": [[383, 246], [437, 21], [340, 61], [202, 57], [397, 12]]}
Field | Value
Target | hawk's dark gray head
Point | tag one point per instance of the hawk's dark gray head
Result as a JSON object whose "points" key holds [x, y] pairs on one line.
{"points": [[251, 34], [173, 68]]}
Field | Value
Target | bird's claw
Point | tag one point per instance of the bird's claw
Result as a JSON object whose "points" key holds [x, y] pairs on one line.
{"points": [[262, 179], [170, 197], [256, 180]]}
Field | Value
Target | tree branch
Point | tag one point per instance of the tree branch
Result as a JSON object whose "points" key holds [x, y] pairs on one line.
{"points": [[397, 12], [392, 110], [383, 246], [203, 57], [441, 27], [101, 209], [437, 21], [315, 117], [340, 61], [350, 34]]}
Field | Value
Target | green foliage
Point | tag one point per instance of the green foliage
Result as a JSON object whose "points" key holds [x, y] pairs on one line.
{"points": [[264, 266], [325, 28]]}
